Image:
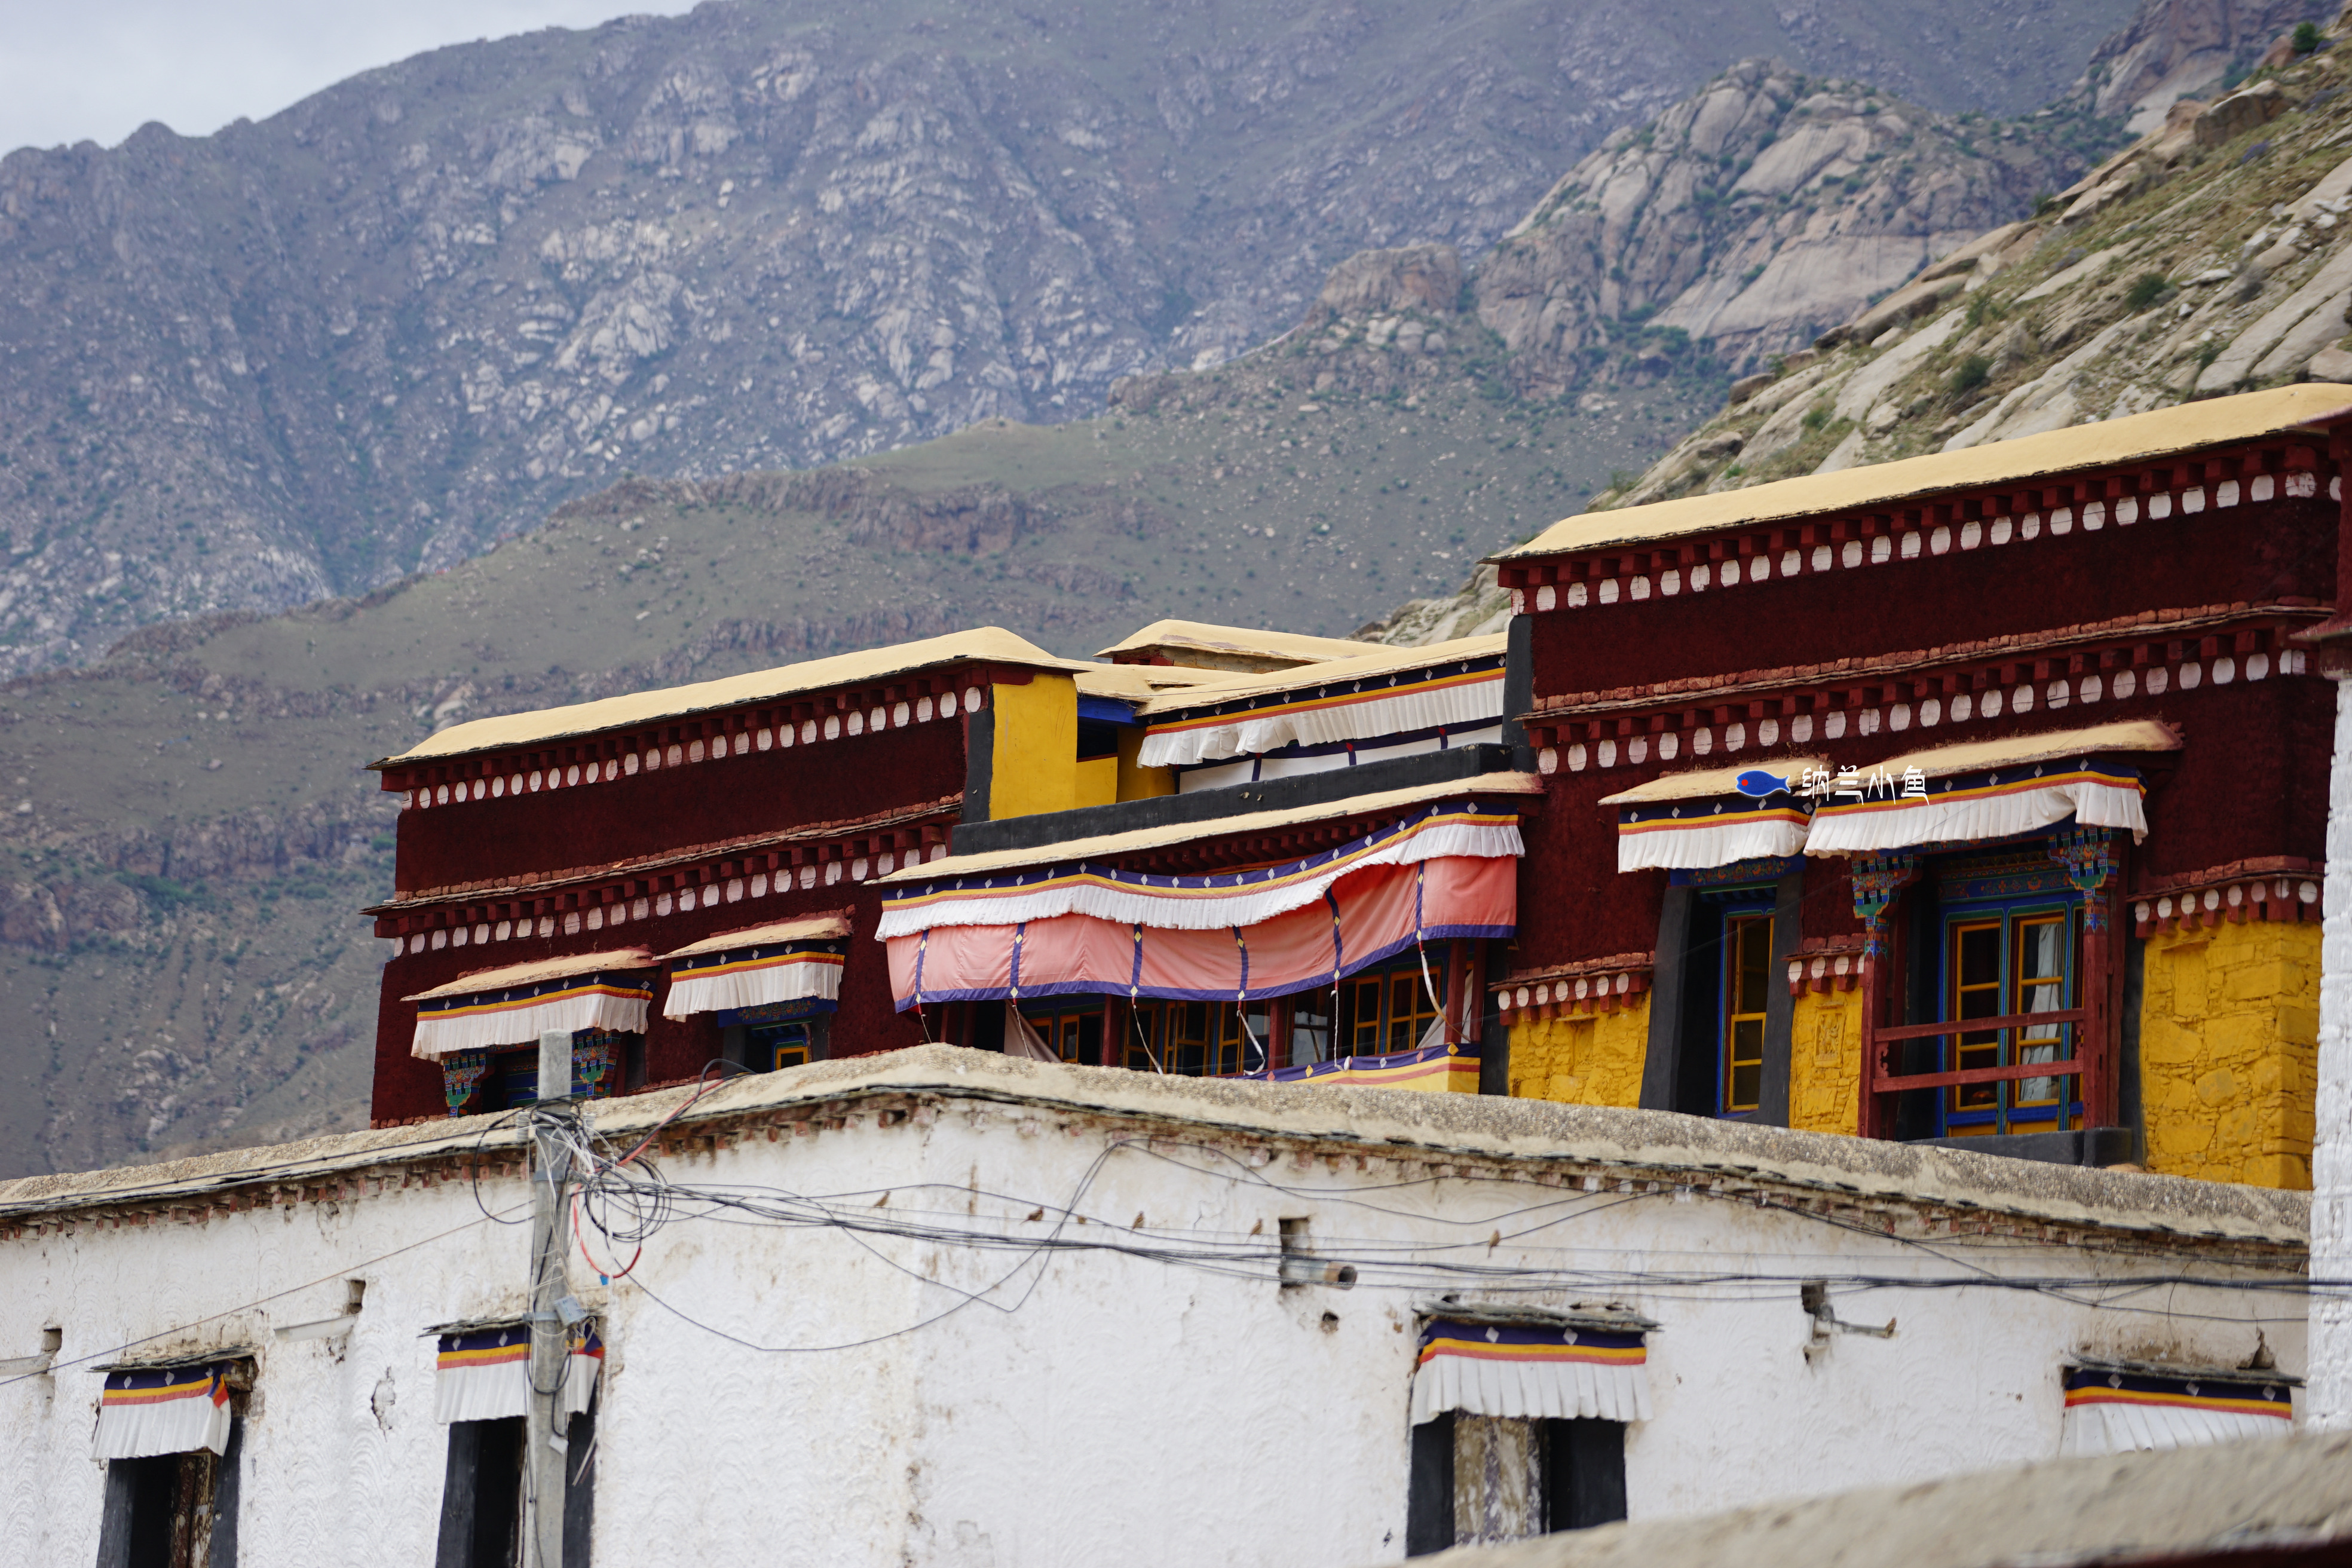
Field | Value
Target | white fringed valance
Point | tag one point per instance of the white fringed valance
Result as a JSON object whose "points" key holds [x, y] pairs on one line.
{"points": [[1240, 898], [1983, 806], [1404, 708], [1700, 842], [755, 978], [519, 1017], [484, 1374], [1530, 1371], [162, 1410], [2128, 1408]]}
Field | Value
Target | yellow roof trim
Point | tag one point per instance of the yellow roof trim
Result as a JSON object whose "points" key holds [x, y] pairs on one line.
{"points": [[1249, 641], [1108, 843], [2126, 735], [808, 928], [541, 969], [1705, 783], [981, 645], [2111, 443], [1380, 660]]}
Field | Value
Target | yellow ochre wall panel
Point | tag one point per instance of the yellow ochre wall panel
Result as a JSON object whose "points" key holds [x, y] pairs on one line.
{"points": [[2229, 1048], [1593, 1059], [1034, 766], [1136, 782], [1825, 1062], [1097, 781]]}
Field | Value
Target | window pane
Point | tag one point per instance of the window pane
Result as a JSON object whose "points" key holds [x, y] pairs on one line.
{"points": [[1979, 955], [1755, 955]]}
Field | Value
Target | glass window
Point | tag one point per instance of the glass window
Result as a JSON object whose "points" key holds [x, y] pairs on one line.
{"points": [[1388, 1009], [771, 1045], [2010, 963], [1072, 1026]]}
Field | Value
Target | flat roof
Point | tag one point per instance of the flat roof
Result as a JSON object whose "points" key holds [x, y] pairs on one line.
{"points": [[1245, 642], [981, 645], [1376, 660], [2126, 735], [2271, 1500], [2110, 443], [1655, 1144], [808, 928], [512, 975], [1705, 783], [1105, 845]]}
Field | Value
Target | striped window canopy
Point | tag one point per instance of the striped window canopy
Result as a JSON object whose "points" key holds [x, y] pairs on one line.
{"points": [[1992, 789], [1715, 816], [1063, 922], [515, 1004], [1528, 1363], [482, 1371], [2124, 1406], [174, 1406], [759, 968], [1388, 692]]}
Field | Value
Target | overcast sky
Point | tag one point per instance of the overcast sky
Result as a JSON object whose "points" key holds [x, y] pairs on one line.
{"points": [[74, 71]]}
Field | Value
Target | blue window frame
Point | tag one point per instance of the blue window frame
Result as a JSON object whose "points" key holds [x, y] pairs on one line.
{"points": [[2011, 945]]}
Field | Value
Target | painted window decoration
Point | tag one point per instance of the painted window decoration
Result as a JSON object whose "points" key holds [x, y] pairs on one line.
{"points": [[1518, 1426], [1747, 987], [2011, 941]]}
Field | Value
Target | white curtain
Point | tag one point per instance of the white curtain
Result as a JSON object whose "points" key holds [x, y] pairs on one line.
{"points": [[485, 1375], [1699, 844], [1021, 1039], [586, 1006], [1475, 701], [753, 982], [1454, 1375], [174, 1410], [1848, 830]]}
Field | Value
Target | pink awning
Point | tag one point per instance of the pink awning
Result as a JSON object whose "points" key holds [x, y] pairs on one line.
{"points": [[1367, 915]]}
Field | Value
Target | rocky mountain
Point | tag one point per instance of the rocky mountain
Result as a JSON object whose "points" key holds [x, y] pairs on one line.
{"points": [[2214, 255], [2178, 49], [1754, 214], [412, 314]]}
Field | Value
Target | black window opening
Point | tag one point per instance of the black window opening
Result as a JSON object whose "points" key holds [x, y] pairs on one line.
{"points": [[482, 1494], [1478, 1480], [1728, 973], [784, 1035], [175, 1510], [604, 1062]]}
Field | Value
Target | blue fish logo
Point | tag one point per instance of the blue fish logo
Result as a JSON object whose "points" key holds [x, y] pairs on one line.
{"points": [[1757, 783]]}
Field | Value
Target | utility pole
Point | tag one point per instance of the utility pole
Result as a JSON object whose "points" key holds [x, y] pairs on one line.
{"points": [[544, 1443]]}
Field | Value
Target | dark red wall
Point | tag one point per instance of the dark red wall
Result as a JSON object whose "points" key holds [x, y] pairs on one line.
{"points": [[2252, 780], [696, 803], [2249, 554], [405, 1086]]}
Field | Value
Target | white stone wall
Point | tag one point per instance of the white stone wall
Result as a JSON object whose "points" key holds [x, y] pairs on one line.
{"points": [[1090, 1405], [2330, 1394]]}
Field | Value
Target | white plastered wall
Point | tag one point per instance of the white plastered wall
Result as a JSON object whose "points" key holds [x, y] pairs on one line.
{"points": [[2330, 1394], [1095, 1406]]}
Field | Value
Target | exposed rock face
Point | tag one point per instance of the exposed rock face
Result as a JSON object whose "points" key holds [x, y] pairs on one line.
{"points": [[1425, 278], [411, 315], [1751, 216], [2175, 48]]}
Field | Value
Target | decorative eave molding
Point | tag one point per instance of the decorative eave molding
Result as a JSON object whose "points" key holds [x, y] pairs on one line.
{"points": [[1989, 517], [2279, 888], [1574, 990]]}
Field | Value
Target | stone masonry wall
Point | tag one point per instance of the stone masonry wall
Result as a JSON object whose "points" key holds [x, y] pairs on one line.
{"points": [[1593, 1061], [2228, 1052]]}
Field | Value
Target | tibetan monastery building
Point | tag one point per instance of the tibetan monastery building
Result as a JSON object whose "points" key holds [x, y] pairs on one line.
{"points": [[1978, 798]]}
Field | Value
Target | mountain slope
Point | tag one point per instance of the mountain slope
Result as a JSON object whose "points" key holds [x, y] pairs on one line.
{"points": [[411, 315]]}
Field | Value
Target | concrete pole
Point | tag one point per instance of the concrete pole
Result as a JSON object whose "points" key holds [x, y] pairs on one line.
{"points": [[545, 1446]]}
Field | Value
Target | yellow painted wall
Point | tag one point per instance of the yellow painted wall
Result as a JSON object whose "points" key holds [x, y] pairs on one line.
{"points": [[1135, 783], [1825, 1062], [1034, 765], [1097, 783], [2229, 1049], [1594, 1060]]}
